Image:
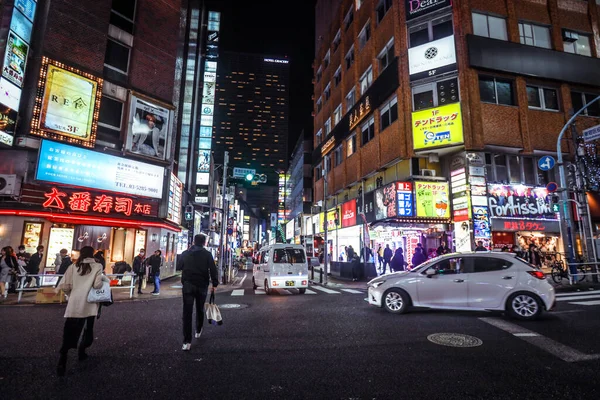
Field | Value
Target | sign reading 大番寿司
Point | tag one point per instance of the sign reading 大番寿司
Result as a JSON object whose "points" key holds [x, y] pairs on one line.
{"points": [[69, 165]]}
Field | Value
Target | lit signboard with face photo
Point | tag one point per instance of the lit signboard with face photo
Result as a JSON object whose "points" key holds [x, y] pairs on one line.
{"points": [[8, 119], [67, 104], [385, 202], [69, 165], [437, 127], [15, 59], [149, 129], [432, 199]]}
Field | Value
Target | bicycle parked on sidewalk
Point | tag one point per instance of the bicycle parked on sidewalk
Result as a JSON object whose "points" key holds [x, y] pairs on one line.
{"points": [[560, 271]]}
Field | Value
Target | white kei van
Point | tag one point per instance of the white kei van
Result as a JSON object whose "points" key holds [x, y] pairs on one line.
{"points": [[281, 266]]}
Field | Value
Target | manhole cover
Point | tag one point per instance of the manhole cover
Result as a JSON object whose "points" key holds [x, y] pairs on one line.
{"points": [[454, 340], [232, 306]]}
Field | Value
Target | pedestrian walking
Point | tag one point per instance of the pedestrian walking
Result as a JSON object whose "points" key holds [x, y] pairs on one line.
{"points": [[355, 263], [155, 262], [33, 267], [534, 256], [380, 256], [398, 263], [65, 263], [419, 257], [198, 270], [139, 268], [480, 246], [8, 267], [387, 257], [77, 282], [350, 253]]}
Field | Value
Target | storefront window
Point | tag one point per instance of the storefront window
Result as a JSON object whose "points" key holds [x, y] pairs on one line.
{"points": [[501, 170]]}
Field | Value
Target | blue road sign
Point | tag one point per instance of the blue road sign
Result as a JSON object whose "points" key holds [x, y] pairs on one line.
{"points": [[546, 163], [552, 187]]}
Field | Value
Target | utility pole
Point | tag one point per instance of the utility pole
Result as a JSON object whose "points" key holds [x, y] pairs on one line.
{"points": [[223, 245], [326, 245]]}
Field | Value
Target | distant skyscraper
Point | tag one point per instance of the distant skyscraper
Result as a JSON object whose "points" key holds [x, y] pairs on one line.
{"points": [[251, 117]]}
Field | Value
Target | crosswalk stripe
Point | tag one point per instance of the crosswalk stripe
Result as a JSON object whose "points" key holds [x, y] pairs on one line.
{"points": [[587, 303], [352, 291], [259, 291], [238, 292], [308, 291], [597, 296], [325, 290], [589, 292]]}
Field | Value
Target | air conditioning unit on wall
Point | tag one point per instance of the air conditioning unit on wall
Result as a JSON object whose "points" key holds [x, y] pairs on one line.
{"points": [[10, 185], [427, 172]]}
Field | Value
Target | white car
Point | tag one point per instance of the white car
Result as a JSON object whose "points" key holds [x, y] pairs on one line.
{"points": [[467, 281]]}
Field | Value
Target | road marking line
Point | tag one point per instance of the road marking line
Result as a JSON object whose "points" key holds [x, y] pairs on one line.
{"points": [[308, 291], [259, 291], [238, 292], [578, 293], [322, 289], [243, 279], [566, 311], [352, 291], [597, 296], [587, 303], [559, 350]]}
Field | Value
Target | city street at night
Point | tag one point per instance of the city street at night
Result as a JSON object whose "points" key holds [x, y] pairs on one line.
{"points": [[326, 344]]}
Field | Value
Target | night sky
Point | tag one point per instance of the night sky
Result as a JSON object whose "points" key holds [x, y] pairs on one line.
{"points": [[276, 28]]}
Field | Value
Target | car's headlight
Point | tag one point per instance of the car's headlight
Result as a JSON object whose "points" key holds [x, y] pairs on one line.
{"points": [[376, 284]]}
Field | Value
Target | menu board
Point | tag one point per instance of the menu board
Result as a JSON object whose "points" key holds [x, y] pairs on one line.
{"points": [[32, 236], [60, 238]]}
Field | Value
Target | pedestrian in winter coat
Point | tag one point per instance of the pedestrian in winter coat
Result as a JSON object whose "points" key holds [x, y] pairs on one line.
{"points": [[99, 256], [398, 262], [480, 246], [387, 256], [77, 282], [33, 267], [155, 261], [139, 268], [380, 256], [418, 258], [443, 249], [65, 263], [198, 270], [350, 253], [8, 267], [534, 256]]}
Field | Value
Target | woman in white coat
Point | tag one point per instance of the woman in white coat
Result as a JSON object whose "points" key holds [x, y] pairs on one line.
{"points": [[79, 278]]}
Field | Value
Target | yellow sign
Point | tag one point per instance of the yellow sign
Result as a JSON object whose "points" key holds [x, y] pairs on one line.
{"points": [[360, 112], [436, 127], [70, 104], [327, 146], [332, 216], [432, 199]]}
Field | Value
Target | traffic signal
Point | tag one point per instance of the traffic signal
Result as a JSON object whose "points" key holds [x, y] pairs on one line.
{"points": [[555, 206], [249, 177], [189, 212]]}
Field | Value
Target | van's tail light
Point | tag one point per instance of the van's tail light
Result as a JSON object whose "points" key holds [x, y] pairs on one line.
{"points": [[537, 274], [304, 282], [275, 283]]}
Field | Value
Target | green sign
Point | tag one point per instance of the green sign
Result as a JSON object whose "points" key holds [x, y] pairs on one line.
{"points": [[432, 199]]}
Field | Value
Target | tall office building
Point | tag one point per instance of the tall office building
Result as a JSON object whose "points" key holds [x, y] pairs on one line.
{"points": [[251, 118]]}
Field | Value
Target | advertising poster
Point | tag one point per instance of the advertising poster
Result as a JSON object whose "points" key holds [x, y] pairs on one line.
{"points": [[10, 95], [201, 195], [60, 238], [69, 104], [436, 127], [15, 59], [481, 222], [349, 213], [21, 26], [27, 7], [432, 199], [519, 201], [69, 165], [432, 58], [333, 215], [149, 131], [385, 202], [206, 132], [8, 120], [462, 236], [204, 160], [32, 236], [208, 93], [175, 197]]}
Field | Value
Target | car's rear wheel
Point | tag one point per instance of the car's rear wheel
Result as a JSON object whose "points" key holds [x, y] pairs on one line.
{"points": [[267, 288], [395, 301], [254, 287], [524, 306], [302, 291]]}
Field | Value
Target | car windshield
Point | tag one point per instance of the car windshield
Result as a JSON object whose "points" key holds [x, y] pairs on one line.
{"points": [[289, 256], [425, 265]]}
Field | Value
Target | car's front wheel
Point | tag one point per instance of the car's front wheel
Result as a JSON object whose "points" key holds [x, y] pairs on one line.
{"points": [[395, 301], [524, 306]]}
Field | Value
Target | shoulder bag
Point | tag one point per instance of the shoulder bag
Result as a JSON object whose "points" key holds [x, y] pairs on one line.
{"points": [[213, 314]]}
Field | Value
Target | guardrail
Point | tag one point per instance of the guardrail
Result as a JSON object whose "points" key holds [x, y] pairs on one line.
{"points": [[319, 271], [593, 267], [51, 280]]}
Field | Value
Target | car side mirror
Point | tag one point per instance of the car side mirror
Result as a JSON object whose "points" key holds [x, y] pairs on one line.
{"points": [[430, 273]]}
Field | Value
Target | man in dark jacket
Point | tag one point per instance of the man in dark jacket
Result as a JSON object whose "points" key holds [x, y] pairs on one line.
{"points": [[139, 268], [155, 261], [65, 263], [198, 270], [33, 265], [387, 256]]}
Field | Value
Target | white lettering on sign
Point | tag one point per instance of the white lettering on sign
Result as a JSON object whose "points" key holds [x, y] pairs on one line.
{"points": [[512, 208], [274, 60]]}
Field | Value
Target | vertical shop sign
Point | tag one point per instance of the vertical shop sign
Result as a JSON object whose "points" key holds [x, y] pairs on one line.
{"points": [[385, 202], [207, 108], [349, 213]]}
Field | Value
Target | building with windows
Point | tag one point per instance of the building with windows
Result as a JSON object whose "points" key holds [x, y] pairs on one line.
{"points": [[447, 107], [251, 118], [94, 86]]}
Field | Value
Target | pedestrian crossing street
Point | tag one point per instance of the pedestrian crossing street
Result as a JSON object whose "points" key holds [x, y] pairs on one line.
{"points": [[589, 298], [285, 292]]}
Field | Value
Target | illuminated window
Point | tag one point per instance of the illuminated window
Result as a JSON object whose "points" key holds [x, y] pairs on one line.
{"points": [[351, 145], [337, 115], [366, 80]]}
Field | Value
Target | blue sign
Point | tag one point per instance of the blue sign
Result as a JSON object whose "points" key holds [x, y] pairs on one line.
{"points": [[21, 26], [74, 166], [546, 163], [405, 199], [27, 7], [552, 187]]}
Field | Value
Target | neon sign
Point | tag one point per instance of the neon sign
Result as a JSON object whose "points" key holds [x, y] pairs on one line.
{"points": [[360, 112]]}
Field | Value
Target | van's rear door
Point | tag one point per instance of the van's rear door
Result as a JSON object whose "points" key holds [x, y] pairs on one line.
{"points": [[289, 261]]}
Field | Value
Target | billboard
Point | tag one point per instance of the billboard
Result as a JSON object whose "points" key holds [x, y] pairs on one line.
{"points": [[69, 165], [431, 59], [437, 127], [10, 95], [149, 129], [8, 120], [21, 26], [349, 213], [432, 199], [67, 104], [385, 202], [174, 204], [15, 59], [519, 201]]}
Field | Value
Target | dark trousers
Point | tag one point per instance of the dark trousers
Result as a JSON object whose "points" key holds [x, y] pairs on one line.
{"points": [[193, 293], [140, 281], [72, 333], [385, 264]]}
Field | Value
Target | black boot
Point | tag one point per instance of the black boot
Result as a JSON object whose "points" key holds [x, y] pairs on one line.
{"points": [[62, 364], [81, 354]]}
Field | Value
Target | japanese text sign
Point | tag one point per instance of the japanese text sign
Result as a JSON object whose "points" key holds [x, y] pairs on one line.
{"points": [[349, 213], [404, 193], [436, 127], [432, 199]]}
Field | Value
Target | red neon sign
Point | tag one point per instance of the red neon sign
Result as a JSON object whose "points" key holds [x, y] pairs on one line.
{"points": [[54, 199]]}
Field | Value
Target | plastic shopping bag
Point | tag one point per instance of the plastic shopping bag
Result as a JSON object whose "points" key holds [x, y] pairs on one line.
{"points": [[213, 314]]}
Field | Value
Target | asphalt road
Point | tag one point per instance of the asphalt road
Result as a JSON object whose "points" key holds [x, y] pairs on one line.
{"points": [[312, 346]]}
